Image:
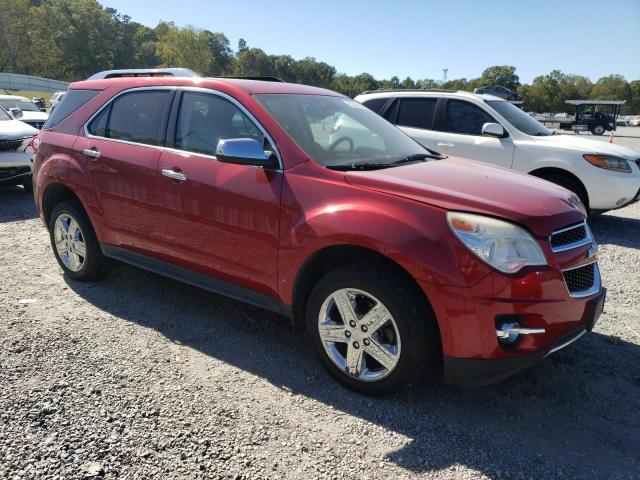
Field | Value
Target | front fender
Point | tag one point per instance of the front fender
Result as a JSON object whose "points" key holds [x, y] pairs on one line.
{"points": [[412, 234]]}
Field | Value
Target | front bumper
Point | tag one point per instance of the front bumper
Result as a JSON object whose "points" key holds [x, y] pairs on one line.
{"points": [[475, 372]]}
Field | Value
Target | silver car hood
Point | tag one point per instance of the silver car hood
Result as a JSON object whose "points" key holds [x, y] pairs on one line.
{"points": [[16, 130]]}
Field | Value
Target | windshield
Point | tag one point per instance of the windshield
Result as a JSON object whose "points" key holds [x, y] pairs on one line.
{"points": [[338, 131], [24, 105], [516, 117], [4, 115]]}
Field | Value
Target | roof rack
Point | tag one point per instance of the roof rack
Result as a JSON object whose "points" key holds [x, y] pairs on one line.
{"points": [[144, 72], [595, 102], [264, 78], [379, 90]]}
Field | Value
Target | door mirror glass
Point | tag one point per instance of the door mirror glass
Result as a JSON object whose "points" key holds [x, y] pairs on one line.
{"points": [[16, 112], [245, 151], [493, 130]]}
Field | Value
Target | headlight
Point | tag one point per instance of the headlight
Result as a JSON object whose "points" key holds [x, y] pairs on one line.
{"points": [[503, 245], [608, 162]]}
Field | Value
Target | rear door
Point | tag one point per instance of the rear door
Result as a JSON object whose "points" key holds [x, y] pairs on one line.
{"points": [[415, 116], [219, 218], [122, 154], [459, 133]]}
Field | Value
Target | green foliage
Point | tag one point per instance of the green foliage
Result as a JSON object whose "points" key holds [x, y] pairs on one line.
{"points": [[72, 39]]}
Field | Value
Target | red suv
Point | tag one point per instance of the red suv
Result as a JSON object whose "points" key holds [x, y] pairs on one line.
{"points": [[398, 262]]}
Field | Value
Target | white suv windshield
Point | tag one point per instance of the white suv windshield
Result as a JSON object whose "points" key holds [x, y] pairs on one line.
{"points": [[24, 105], [520, 120], [338, 131], [4, 115]]}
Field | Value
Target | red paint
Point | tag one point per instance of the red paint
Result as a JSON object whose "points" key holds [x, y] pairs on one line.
{"points": [[257, 228]]}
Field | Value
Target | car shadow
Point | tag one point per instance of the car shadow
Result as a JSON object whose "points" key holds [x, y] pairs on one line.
{"points": [[16, 204], [611, 229], [575, 415]]}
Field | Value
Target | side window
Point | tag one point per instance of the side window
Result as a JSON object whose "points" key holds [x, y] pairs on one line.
{"points": [[205, 119], [135, 117], [375, 104], [417, 112], [69, 104], [464, 117], [390, 112]]}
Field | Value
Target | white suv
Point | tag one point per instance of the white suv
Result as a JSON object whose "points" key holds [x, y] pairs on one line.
{"points": [[489, 129]]}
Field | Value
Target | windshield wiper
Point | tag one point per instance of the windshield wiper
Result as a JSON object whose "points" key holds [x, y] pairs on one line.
{"points": [[419, 157]]}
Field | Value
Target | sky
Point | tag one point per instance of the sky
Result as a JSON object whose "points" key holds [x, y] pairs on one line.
{"points": [[420, 38]]}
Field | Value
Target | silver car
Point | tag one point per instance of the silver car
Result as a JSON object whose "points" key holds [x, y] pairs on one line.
{"points": [[15, 151]]}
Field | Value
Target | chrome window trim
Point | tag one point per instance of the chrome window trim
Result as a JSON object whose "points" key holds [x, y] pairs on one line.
{"points": [[177, 150], [570, 246], [597, 282]]}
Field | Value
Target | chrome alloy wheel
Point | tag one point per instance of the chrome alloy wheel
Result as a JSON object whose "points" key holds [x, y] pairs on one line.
{"points": [[69, 241], [359, 334]]}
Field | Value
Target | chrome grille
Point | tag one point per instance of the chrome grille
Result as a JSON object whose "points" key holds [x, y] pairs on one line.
{"points": [[570, 237], [9, 145], [582, 281], [34, 123]]}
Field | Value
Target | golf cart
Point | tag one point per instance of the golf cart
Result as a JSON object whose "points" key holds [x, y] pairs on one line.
{"points": [[596, 116]]}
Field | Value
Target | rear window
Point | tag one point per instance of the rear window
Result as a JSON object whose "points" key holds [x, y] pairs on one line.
{"points": [[137, 117], [72, 101]]}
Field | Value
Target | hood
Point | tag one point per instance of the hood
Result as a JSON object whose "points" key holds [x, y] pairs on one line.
{"points": [[15, 130], [465, 185], [586, 145], [26, 115]]}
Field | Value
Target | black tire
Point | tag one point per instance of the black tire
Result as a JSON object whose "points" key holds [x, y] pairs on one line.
{"points": [[598, 129], [570, 184], [94, 264], [420, 355]]}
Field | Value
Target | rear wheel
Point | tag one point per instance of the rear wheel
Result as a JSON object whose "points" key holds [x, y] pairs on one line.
{"points": [[74, 242], [598, 130], [371, 330]]}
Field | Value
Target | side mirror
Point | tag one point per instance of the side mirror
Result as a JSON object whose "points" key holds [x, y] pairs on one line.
{"points": [[493, 130], [245, 151], [16, 113]]}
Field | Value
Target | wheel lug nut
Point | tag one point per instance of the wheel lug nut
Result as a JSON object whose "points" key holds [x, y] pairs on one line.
{"points": [[364, 328], [356, 345], [347, 333], [366, 341], [352, 323]]}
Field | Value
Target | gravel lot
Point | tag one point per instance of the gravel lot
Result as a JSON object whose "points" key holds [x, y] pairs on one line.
{"points": [[137, 376]]}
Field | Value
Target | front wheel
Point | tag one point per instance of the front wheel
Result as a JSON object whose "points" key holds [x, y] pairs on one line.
{"points": [[372, 330], [598, 130]]}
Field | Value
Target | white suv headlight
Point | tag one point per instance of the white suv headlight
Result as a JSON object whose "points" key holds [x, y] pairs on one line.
{"points": [[503, 245]]}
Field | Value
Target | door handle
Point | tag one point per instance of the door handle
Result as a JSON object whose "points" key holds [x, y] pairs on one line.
{"points": [[91, 153], [181, 177], [445, 145]]}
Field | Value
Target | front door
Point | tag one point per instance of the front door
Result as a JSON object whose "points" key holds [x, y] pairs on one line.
{"points": [[219, 218]]}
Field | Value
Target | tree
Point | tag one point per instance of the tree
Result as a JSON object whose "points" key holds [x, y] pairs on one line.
{"points": [[501, 75], [242, 45], [14, 23], [311, 72], [221, 53], [613, 87], [186, 47], [252, 62]]}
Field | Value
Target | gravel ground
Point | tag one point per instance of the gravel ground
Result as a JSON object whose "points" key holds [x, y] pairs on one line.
{"points": [[137, 376]]}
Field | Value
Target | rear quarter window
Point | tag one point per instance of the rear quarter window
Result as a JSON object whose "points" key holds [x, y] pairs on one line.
{"points": [[375, 104], [71, 102]]}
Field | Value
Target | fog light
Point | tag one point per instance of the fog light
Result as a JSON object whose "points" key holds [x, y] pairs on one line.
{"points": [[508, 332]]}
